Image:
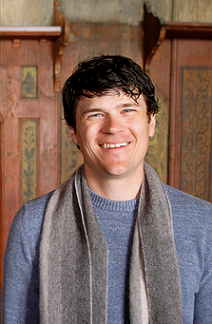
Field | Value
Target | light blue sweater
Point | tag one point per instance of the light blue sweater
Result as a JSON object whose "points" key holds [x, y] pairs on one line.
{"points": [[116, 220], [192, 221]]}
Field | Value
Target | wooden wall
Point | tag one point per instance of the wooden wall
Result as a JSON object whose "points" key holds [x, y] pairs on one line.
{"points": [[29, 125]]}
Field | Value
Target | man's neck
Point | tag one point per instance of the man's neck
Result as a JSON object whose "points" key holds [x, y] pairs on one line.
{"points": [[116, 188]]}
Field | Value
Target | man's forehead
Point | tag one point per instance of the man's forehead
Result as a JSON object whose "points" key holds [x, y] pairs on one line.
{"points": [[116, 90], [113, 93]]}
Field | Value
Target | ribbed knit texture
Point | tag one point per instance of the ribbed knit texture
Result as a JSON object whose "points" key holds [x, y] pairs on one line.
{"points": [[116, 220]]}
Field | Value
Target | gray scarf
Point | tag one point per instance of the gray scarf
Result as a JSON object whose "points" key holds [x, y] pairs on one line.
{"points": [[74, 256]]}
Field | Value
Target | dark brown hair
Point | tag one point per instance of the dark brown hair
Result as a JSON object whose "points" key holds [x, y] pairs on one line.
{"points": [[95, 76]]}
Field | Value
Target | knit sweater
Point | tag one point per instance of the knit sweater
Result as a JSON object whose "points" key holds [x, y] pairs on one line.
{"points": [[192, 222], [116, 220]]}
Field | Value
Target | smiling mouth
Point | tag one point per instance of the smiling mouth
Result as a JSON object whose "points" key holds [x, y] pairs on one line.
{"points": [[108, 145]]}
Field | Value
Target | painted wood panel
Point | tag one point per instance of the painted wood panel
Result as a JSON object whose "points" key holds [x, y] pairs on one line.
{"points": [[29, 82], [190, 126], [158, 153], [29, 144], [29, 127], [196, 125]]}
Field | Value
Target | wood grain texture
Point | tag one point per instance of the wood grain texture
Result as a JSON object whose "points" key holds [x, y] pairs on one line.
{"points": [[38, 174], [196, 131], [190, 117]]}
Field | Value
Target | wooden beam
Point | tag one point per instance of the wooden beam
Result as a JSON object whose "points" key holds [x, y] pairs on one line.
{"points": [[188, 30], [60, 43], [51, 32]]}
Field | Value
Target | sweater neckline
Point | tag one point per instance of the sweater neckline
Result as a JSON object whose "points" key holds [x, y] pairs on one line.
{"points": [[113, 205]]}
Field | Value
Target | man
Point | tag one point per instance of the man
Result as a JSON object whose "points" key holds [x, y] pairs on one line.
{"points": [[113, 244]]}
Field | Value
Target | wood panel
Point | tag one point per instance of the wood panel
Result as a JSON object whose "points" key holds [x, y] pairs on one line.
{"points": [[189, 56], [160, 71], [196, 125], [29, 126], [190, 124]]}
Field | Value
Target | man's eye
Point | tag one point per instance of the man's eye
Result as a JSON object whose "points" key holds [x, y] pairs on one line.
{"points": [[128, 110], [95, 115]]}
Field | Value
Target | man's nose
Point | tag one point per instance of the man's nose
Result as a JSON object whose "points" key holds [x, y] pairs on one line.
{"points": [[112, 125]]}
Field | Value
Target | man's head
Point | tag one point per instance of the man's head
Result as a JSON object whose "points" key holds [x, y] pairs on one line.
{"points": [[96, 76]]}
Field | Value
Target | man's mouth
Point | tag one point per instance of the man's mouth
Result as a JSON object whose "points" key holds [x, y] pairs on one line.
{"points": [[112, 145]]}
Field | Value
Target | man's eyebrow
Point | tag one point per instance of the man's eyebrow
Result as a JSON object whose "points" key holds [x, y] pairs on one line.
{"points": [[128, 104], [91, 110]]}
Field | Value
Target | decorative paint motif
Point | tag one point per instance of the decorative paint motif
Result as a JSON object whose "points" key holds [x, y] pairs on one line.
{"points": [[29, 159], [29, 82], [196, 132], [157, 155], [70, 157]]}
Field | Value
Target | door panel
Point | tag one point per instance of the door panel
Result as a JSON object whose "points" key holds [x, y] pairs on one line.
{"points": [[29, 126], [191, 117]]}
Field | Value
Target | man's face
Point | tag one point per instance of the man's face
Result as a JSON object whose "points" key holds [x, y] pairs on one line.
{"points": [[112, 132]]}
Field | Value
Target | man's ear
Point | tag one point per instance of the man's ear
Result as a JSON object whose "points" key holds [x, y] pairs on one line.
{"points": [[73, 135], [152, 125]]}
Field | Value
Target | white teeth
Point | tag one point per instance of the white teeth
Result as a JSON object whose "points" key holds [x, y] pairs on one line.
{"points": [[107, 145]]}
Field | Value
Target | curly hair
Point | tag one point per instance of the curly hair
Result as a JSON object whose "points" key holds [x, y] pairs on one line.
{"points": [[95, 76]]}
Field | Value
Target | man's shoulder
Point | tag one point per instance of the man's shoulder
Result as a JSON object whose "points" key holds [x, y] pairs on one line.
{"points": [[38, 205], [187, 208], [192, 223], [26, 228], [36, 208], [31, 214], [178, 197]]}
